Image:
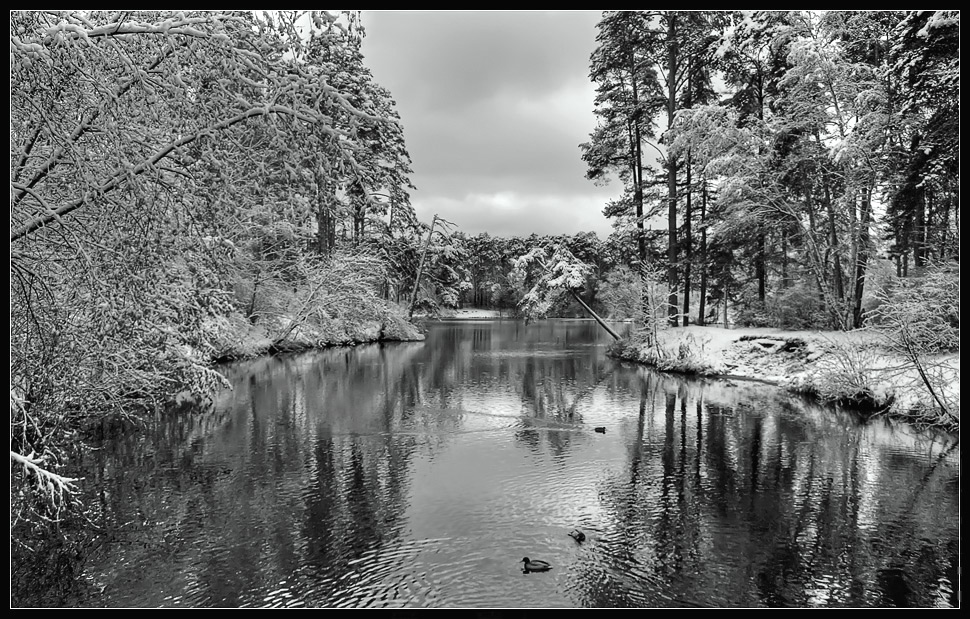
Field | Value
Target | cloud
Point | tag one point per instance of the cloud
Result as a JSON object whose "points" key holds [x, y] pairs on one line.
{"points": [[515, 214], [494, 105]]}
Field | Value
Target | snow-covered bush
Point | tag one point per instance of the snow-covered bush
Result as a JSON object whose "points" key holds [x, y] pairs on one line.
{"points": [[921, 314], [847, 375], [798, 307]]}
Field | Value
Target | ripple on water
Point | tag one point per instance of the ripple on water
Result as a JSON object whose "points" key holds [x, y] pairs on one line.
{"points": [[411, 505], [408, 573]]}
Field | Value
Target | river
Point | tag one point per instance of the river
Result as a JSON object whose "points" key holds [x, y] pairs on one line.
{"points": [[420, 474]]}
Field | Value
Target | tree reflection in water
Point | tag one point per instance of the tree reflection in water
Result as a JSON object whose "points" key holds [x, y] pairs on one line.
{"points": [[415, 474]]}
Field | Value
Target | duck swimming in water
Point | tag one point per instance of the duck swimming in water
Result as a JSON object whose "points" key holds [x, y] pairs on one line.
{"points": [[600, 429], [534, 565], [577, 535]]}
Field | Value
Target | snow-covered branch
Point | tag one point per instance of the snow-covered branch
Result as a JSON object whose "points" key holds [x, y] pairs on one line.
{"points": [[54, 486]]}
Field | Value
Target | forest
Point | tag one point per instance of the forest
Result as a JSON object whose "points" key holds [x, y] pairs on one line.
{"points": [[192, 187]]}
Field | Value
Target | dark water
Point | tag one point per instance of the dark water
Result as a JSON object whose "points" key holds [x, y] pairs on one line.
{"points": [[420, 474]]}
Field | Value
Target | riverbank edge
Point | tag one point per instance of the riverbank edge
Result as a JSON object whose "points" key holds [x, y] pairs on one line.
{"points": [[239, 341], [853, 369], [472, 313]]}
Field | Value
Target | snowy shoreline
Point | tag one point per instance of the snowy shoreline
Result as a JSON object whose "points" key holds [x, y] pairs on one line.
{"points": [[852, 366], [473, 314]]}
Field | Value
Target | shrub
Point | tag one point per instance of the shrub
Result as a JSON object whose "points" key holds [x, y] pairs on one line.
{"points": [[686, 355], [749, 310], [847, 376], [921, 314], [397, 327], [798, 307], [920, 318]]}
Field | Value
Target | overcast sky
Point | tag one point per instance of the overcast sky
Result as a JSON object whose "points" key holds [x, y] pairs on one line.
{"points": [[494, 106]]}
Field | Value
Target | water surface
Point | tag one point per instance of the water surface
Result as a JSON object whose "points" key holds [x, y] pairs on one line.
{"points": [[420, 474]]}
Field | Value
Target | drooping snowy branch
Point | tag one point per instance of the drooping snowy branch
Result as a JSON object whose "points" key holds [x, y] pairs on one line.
{"points": [[52, 485]]}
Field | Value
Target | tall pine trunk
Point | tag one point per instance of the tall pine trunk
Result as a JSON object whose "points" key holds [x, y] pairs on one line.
{"points": [[687, 248], [702, 298], [919, 246], [837, 274], [672, 58], [785, 278], [636, 151], [863, 256], [761, 271], [945, 229], [326, 224]]}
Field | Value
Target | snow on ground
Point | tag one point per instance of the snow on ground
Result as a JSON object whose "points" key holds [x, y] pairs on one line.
{"points": [[759, 352], [807, 360], [472, 313]]}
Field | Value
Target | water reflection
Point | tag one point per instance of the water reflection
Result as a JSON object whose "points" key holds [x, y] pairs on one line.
{"points": [[419, 475]]}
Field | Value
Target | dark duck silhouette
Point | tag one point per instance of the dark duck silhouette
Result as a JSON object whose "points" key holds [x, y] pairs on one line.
{"points": [[577, 535], [600, 429], [534, 565]]}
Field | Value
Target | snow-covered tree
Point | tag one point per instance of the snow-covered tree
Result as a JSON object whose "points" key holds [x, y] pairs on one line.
{"points": [[624, 80], [544, 274], [157, 159]]}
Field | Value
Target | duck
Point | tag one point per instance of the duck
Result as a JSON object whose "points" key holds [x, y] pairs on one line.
{"points": [[600, 429], [534, 565], [577, 535]]}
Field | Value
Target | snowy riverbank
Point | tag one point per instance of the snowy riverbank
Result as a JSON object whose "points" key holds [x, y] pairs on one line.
{"points": [[854, 367], [236, 338], [473, 314]]}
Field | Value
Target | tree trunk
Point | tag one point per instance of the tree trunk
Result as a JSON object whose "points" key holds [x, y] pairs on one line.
{"points": [[638, 199], [702, 298], [251, 314], [672, 57], [761, 272], [945, 229], [594, 315], [930, 225], [637, 165], [863, 256], [725, 299], [417, 277], [854, 239], [919, 247], [956, 220], [785, 279], [817, 262], [325, 218], [358, 225], [837, 275], [687, 248]]}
